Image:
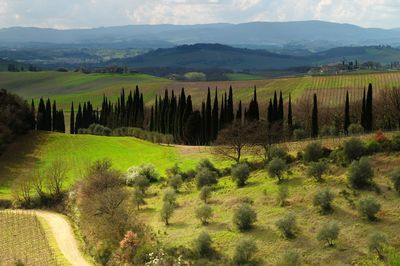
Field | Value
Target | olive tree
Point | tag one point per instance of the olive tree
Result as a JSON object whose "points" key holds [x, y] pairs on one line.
{"points": [[204, 213], [329, 233], [275, 168], [244, 217], [240, 173]]}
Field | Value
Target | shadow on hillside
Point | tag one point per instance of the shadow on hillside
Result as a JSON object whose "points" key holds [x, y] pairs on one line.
{"points": [[19, 159]]}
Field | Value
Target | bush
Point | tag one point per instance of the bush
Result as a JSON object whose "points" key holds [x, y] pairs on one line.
{"points": [[204, 213], [353, 149], [138, 198], [166, 212], [355, 129], [275, 168], [361, 173], [377, 242], [140, 182], [244, 252], [244, 217], [146, 171], [329, 233], [169, 196], [299, 134], [313, 152], [396, 179], [205, 193], [283, 193], [323, 199], [317, 169], [206, 177], [203, 244], [369, 207], [395, 142], [278, 152], [175, 181], [287, 225], [240, 173], [290, 258], [207, 164], [372, 147]]}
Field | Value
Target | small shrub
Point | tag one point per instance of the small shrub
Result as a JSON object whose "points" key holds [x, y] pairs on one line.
{"points": [[240, 173], [206, 177], [380, 136], [313, 152], [369, 207], [204, 213], [169, 196], [317, 169], [175, 181], [372, 147], [290, 258], [323, 199], [207, 164], [205, 193], [355, 129], [203, 245], [353, 149], [395, 142], [396, 179], [377, 242], [244, 252], [244, 217], [275, 168], [283, 193], [278, 152], [329, 233], [166, 212], [361, 173], [287, 225]]}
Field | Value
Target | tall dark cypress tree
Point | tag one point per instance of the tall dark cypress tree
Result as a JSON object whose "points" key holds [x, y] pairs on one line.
{"points": [[208, 118], [222, 114], [314, 121], [215, 119], [347, 114], [33, 115], [270, 113], [151, 127], [48, 115], [256, 110], [79, 118], [229, 108], [72, 120], [290, 114], [368, 110], [188, 111], [280, 108], [55, 122], [41, 115], [275, 115], [239, 113], [60, 121], [203, 127], [363, 112]]}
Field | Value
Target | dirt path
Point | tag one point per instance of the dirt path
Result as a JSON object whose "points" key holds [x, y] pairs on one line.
{"points": [[64, 236]]}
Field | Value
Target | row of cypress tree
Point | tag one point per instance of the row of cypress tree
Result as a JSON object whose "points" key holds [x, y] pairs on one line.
{"points": [[48, 118]]}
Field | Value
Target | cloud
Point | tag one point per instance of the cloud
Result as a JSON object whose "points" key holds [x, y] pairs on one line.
{"points": [[95, 13]]}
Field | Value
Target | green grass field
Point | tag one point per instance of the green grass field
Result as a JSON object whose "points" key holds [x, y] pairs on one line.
{"points": [[24, 238], [36, 151], [79, 87]]}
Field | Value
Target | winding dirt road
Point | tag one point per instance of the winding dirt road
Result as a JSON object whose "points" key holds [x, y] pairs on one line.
{"points": [[64, 236]]}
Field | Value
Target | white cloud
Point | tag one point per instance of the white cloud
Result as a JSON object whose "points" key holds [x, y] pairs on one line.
{"points": [[94, 13]]}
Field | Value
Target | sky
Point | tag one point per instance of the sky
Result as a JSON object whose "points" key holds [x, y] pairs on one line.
{"points": [[64, 14]]}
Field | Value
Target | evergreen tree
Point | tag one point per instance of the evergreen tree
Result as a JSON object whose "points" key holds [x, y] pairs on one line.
{"points": [[192, 130], [203, 123], [363, 112], [347, 114], [290, 115], [280, 108], [270, 114], [314, 121], [208, 118], [72, 120], [55, 118], [215, 119], [48, 115], [79, 118], [41, 116], [368, 110], [151, 127], [275, 115], [222, 114], [33, 115], [253, 113], [239, 114], [229, 107]]}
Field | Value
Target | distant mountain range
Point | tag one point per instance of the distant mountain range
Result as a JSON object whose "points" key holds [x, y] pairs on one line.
{"points": [[313, 35]]}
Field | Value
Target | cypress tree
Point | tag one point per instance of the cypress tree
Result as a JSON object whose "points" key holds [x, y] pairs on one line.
{"points": [[79, 118], [270, 114], [280, 108], [215, 120], [208, 118], [314, 121], [347, 114], [188, 110], [239, 114], [55, 122], [61, 121], [152, 119], [229, 110], [275, 115], [363, 112], [203, 127], [368, 110], [33, 115], [192, 130], [222, 114], [72, 120], [256, 110], [290, 115], [48, 115], [41, 116]]}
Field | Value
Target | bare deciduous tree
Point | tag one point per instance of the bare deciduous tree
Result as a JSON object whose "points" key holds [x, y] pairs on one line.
{"points": [[56, 176]]}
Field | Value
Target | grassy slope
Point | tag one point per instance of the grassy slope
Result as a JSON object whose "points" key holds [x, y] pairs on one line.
{"points": [[68, 87], [37, 150], [352, 244]]}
